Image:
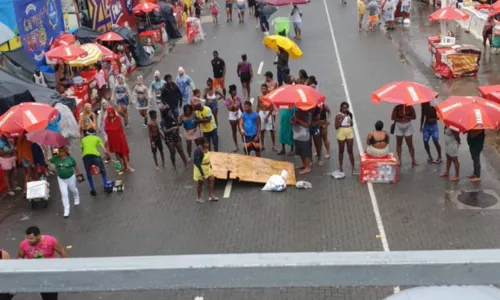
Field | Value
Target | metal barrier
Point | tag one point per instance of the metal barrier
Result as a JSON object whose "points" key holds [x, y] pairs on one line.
{"points": [[264, 270]]}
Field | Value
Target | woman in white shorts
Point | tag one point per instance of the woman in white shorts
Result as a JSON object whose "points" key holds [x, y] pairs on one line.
{"points": [[402, 116], [8, 163], [233, 104]]}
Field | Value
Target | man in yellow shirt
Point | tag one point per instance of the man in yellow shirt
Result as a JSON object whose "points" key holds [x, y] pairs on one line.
{"points": [[92, 157], [361, 13], [205, 118]]}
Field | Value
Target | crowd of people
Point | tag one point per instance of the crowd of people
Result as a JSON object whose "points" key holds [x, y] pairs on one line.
{"points": [[382, 9]]}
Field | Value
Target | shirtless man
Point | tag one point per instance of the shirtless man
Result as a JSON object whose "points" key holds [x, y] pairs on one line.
{"points": [[266, 117], [270, 82], [155, 138]]}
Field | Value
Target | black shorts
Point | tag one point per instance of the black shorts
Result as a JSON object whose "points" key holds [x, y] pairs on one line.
{"points": [[156, 144], [302, 149], [245, 77], [250, 145]]}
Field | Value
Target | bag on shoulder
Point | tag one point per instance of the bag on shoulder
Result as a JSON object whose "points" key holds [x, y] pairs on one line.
{"points": [[393, 127]]}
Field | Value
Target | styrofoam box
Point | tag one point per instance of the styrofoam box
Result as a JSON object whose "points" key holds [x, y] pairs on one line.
{"points": [[37, 189]]}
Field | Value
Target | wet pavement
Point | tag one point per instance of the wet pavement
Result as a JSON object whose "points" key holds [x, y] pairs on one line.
{"points": [[157, 213]]}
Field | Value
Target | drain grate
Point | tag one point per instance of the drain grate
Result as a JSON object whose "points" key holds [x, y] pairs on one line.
{"points": [[474, 199]]}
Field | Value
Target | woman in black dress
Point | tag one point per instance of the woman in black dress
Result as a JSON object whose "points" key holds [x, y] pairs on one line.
{"points": [[170, 127]]}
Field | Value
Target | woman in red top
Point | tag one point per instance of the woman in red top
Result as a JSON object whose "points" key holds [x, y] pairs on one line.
{"points": [[117, 141]]}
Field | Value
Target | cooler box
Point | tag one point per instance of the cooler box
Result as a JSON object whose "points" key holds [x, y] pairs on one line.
{"points": [[37, 190], [378, 169], [153, 36], [282, 24]]}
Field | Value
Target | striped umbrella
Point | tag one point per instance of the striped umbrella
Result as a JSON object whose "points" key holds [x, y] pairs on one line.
{"points": [[94, 55]]}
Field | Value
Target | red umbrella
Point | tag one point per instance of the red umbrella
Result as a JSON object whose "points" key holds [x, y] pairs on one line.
{"points": [[286, 2], [47, 137], [288, 96], [403, 92], [66, 53], [64, 39], [29, 116], [463, 113], [110, 37], [448, 14], [145, 8]]}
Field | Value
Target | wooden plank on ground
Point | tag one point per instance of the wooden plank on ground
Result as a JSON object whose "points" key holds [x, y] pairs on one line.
{"points": [[249, 168]]}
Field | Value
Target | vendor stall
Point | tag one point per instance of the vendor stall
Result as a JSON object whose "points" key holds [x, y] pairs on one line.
{"points": [[123, 61], [453, 61], [151, 36]]}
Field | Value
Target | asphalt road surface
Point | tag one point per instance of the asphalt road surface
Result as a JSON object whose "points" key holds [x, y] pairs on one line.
{"points": [[157, 214]]}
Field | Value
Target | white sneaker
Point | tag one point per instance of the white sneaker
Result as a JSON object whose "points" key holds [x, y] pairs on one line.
{"points": [[144, 125], [66, 213], [77, 202]]}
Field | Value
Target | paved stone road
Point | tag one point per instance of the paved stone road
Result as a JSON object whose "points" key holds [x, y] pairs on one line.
{"points": [[157, 213]]}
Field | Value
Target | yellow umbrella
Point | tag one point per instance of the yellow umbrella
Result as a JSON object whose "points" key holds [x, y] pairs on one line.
{"points": [[94, 55], [275, 41]]}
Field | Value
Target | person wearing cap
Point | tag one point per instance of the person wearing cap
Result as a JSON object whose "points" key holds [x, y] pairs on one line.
{"points": [[38, 78], [155, 89], [185, 84], [90, 145]]}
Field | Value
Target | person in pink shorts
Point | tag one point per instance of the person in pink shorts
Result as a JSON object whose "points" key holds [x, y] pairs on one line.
{"points": [[38, 246], [8, 162]]}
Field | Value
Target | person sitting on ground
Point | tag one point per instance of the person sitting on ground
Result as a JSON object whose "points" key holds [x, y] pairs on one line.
{"points": [[378, 141]]}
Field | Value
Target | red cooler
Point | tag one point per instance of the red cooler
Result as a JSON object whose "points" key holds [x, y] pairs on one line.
{"points": [[378, 169]]}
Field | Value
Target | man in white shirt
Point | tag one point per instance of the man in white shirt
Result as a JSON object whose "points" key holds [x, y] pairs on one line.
{"points": [[39, 79], [297, 20]]}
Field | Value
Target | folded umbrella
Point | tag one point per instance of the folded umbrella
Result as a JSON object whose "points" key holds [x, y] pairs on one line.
{"points": [[46, 137]]}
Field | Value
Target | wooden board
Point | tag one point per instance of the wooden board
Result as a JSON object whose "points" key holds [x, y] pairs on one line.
{"points": [[249, 168]]}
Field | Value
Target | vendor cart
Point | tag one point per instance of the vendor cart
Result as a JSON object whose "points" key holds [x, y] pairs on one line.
{"points": [[453, 61]]}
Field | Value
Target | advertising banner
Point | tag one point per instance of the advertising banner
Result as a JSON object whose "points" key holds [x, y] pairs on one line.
{"points": [[8, 26], [103, 13], [38, 22]]}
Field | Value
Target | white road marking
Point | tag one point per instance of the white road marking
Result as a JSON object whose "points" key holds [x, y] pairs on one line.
{"points": [[227, 190], [373, 197], [259, 71]]}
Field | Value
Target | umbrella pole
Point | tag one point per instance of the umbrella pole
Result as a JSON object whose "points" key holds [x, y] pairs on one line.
{"points": [[443, 24]]}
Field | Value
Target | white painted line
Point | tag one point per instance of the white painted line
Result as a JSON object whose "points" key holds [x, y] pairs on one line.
{"points": [[371, 192], [261, 65], [252, 100], [227, 190]]}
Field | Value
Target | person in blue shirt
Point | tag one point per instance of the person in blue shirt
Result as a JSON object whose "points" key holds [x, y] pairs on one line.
{"points": [[249, 124], [185, 84]]}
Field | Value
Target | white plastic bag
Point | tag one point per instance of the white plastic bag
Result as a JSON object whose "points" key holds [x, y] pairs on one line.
{"points": [[276, 183], [68, 125], [303, 185]]}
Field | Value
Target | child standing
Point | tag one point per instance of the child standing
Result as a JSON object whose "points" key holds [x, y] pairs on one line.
{"points": [[373, 11], [361, 13], [155, 138], [214, 11], [452, 142]]}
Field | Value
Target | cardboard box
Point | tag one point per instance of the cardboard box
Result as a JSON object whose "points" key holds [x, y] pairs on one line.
{"points": [[378, 169]]}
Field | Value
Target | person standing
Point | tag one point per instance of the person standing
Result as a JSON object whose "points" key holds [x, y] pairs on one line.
{"points": [[117, 141], [170, 128], [121, 96], [324, 122], [241, 10], [191, 130], [90, 145], [155, 138], [301, 122], [8, 163], [281, 64], [171, 96], [155, 88], [429, 128], [214, 11], [452, 143], [100, 79], [249, 124], [402, 116], [101, 117], [316, 134], [361, 14], [405, 9], [38, 246], [345, 135], [229, 10], [245, 73], [373, 8], [25, 158], [266, 118], [488, 30], [211, 97], [38, 78], [475, 139], [87, 120], [205, 119], [67, 173], [219, 70], [142, 100], [203, 170], [297, 21], [234, 106], [185, 85], [270, 82]]}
